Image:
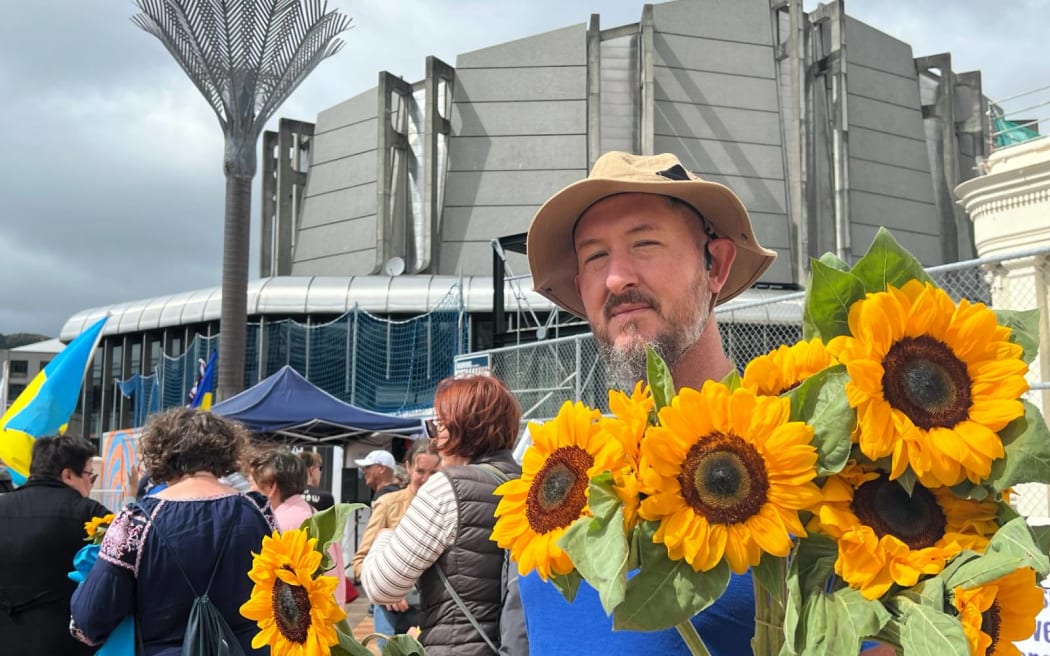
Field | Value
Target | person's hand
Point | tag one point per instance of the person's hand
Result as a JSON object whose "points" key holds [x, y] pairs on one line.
{"points": [[397, 606]]}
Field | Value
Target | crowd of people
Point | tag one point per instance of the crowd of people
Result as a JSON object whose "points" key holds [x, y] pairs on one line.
{"points": [[642, 249]]}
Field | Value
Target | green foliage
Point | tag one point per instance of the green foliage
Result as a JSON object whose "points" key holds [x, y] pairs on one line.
{"points": [[660, 380], [888, 263], [567, 584], [926, 631], [830, 295], [1024, 330], [403, 645], [598, 545], [328, 526], [650, 605], [821, 402], [1026, 441]]}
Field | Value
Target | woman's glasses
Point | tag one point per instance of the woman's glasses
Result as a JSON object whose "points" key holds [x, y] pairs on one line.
{"points": [[93, 475], [434, 427]]}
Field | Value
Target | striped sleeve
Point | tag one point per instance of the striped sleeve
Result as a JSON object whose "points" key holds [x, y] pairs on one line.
{"points": [[398, 558]]}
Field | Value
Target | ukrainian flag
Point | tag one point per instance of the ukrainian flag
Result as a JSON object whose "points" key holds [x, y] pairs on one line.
{"points": [[46, 404], [204, 390]]}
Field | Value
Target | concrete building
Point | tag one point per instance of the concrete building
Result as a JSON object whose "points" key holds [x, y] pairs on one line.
{"points": [[826, 127], [23, 363]]}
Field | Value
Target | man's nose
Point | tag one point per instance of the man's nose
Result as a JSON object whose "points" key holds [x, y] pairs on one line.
{"points": [[621, 273]]}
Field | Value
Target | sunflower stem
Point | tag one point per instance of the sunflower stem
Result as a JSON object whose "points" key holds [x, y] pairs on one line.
{"points": [[692, 639], [769, 613]]}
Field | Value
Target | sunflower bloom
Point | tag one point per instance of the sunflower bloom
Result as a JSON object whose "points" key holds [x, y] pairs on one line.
{"points": [[628, 426], [785, 368], [296, 610], [933, 383], [96, 528], [552, 493], [728, 473], [996, 614], [887, 536]]}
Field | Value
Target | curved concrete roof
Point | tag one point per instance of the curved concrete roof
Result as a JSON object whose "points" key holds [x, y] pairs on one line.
{"points": [[301, 295]]}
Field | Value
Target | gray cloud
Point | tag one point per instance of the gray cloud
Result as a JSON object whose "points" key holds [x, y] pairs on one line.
{"points": [[112, 180]]}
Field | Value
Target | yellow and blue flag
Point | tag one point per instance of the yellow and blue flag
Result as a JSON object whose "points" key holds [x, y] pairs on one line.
{"points": [[204, 391], [44, 407]]}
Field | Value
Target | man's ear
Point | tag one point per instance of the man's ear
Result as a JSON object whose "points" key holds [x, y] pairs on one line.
{"points": [[68, 476], [723, 252]]}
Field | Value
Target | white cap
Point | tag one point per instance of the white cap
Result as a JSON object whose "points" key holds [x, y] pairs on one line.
{"points": [[377, 457]]}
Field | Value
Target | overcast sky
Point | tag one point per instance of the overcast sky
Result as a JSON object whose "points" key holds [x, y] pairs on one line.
{"points": [[111, 171]]}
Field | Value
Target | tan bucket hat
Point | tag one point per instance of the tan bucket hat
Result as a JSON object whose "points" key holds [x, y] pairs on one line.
{"points": [[552, 254]]}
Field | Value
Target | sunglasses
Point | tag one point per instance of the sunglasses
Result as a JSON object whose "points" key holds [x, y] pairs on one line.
{"points": [[94, 475], [434, 427]]}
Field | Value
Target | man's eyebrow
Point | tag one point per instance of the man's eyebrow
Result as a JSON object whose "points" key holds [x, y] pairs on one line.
{"points": [[640, 228]]}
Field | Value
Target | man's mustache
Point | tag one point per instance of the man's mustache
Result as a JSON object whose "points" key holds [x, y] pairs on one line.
{"points": [[627, 297]]}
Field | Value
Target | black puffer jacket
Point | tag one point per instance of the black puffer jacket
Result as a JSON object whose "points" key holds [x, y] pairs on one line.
{"points": [[473, 565], [43, 527]]}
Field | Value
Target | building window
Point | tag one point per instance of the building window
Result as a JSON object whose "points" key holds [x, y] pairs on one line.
{"points": [[19, 367], [13, 390], [44, 363]]}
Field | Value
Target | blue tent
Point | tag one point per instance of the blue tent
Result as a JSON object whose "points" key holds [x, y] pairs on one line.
{"points": [[287, 404]]}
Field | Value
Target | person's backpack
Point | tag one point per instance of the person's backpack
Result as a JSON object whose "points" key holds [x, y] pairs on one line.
{"points": [[207, 631]]}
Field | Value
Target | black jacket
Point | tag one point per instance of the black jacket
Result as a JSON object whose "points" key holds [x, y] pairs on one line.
{"points": [[41, 528]]}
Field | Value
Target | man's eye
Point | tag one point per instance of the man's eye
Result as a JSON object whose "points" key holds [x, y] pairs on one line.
{"points": [[646, 243], [593, 257]]}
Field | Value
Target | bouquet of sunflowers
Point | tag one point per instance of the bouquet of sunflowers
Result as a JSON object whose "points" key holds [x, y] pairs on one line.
{"points": [[293, 601], [862, 475]]}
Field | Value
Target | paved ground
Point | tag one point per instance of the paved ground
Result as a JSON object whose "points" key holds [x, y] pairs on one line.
{"points": [[357, 615]]}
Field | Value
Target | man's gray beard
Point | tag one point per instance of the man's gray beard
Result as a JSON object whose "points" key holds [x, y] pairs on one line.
{"points": [[627, 366]]}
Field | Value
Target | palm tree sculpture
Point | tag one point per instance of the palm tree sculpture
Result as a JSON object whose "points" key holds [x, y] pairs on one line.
{"points": [[245, 57]]}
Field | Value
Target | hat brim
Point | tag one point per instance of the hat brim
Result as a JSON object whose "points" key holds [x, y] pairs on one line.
{"points": [[552, 255]]}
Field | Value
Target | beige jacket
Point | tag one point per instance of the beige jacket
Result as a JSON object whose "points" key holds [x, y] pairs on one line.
{"points": [[387, 511]]}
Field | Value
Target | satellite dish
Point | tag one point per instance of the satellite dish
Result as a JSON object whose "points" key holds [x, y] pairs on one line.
{"points": [[395, 266], [541, 332]]}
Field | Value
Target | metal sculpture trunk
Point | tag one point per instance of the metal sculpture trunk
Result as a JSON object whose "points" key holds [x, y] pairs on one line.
{"points": [[245, 57]]}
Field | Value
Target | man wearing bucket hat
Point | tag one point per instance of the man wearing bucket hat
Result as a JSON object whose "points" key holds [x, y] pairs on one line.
{"points": [[644, 250]]}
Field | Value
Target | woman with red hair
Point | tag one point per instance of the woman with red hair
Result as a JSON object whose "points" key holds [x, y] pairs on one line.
{"points": [[443, 540]]}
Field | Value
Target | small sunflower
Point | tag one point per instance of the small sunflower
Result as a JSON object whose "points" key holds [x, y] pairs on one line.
{"points": [[295, 610], [998, 613], [96, 528], [933, 383], [727, 473], [552, 492], [628, 426], [785, 368], [887, 536]]}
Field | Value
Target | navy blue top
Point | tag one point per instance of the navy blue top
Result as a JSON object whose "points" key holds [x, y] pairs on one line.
{"points": [[556, 627], [135, 573]]}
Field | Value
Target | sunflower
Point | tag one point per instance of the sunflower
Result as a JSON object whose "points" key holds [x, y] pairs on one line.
{"points": [[552, 492], [996, 614], [784, 369], [932, 382], [295, 610], [887, 536], [628, 425], [96, 528], [727, 473]]}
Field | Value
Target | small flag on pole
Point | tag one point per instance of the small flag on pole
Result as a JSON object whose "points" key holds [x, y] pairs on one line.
{"points": [[203, 391], [46, 404]]}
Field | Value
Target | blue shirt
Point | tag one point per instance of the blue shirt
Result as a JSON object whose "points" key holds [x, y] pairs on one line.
{"points": [[556, 627]]}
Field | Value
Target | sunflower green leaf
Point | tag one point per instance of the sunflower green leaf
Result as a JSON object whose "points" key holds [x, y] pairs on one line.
{"points": [[808, 573], [567, 584], [1024, 330], [926, 631], [598, 545], [1015, 538], [1026, 441], [403, 645], [888, 263], [659, 377], [821, 402], [666, 592], [831, 292], [347, 645], [328, 527]]}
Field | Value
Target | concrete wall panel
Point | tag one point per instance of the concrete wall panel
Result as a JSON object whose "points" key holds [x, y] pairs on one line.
{"points": [[359, 108], [716, 56], [884, 117], [361, 263], [552, 48], [925, 247], [758, 195], [728, 20], [707, 156], [707, 122], [343, 141], [529, 84], [496, 119], [467, 189], [519, 153], [485, 223], [351, 236], [880, 178], [870, 47], [877, 85], [343, 173], [701, 88], [888, 149], [895, 213], [339, 205]]}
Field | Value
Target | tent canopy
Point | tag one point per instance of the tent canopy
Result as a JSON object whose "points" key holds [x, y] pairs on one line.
{"points": [[288, 404]]}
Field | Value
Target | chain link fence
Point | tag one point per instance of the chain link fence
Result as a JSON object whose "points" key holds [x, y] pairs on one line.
{"points": [[545, 374]]}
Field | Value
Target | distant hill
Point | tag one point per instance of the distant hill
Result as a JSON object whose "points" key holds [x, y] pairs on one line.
{"points": [[15, 340]]}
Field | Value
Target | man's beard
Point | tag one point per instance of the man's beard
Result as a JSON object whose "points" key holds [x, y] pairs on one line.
{"points": [[626, 364]]}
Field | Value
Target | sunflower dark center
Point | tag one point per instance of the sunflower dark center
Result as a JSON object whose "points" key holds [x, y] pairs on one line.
{"points": [[990, 624], [724, 479], [885, 506], [926, 381], [559, 491], [291, 610]]}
